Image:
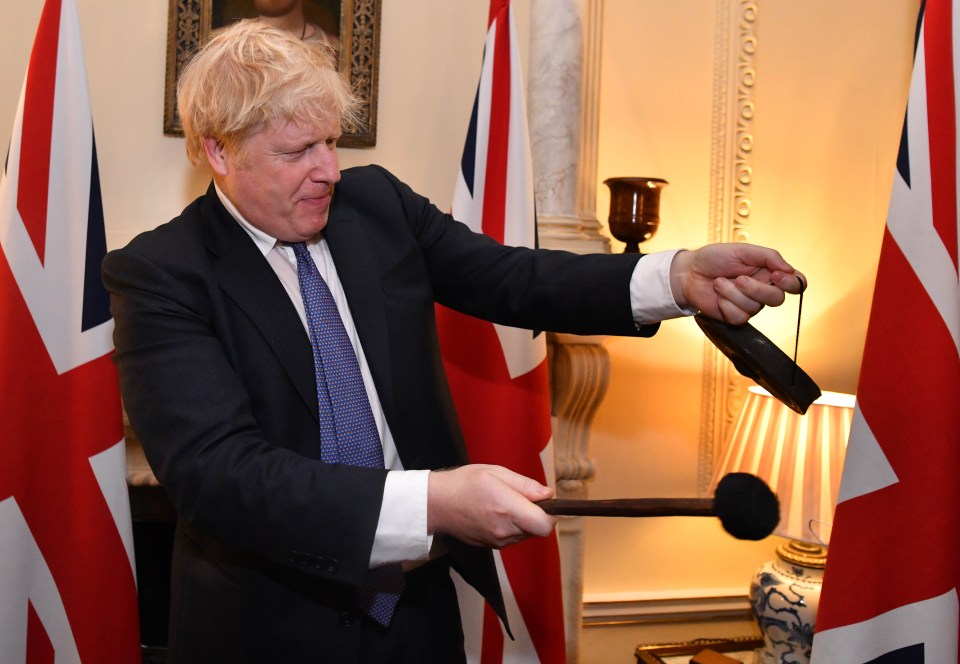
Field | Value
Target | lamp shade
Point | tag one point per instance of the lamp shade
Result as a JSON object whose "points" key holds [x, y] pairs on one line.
{"points": [[799, 456]]}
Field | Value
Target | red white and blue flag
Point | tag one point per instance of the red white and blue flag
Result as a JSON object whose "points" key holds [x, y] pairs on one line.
{"points": [[67, 583], [890, 588], [498, 374]]}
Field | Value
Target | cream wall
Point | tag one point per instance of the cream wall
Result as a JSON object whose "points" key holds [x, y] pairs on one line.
{"points": [[831, 84], [830, 92]]}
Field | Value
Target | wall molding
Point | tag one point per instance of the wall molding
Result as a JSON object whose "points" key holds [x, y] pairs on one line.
{"points": [[607, 609], [731, 179]]}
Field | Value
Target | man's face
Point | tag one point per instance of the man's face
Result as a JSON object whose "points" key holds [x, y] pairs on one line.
{"points": [[285, 185]]}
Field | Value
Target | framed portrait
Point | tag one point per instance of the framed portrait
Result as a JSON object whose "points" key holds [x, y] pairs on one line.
{"points": [[351, 27], [739, 649]]}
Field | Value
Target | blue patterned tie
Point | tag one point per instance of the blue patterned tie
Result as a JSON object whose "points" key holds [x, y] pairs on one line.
{"points": [[348, 433]]}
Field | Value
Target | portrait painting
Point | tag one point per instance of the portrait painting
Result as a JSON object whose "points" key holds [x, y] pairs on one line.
{"points": [[321, 17], [350, 28]]}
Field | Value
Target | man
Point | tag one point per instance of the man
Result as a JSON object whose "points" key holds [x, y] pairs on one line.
{"points": [[226, 379]]}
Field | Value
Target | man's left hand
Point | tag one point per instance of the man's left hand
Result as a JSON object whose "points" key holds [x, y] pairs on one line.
{"points": [[732, 282]]}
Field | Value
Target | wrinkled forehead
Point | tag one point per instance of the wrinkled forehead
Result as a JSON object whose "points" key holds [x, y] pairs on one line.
{"points": [[309, 120], [282, 133]]}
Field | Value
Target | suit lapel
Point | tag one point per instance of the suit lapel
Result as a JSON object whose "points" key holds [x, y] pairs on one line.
{"points": [[247, 278], [360, 276]]}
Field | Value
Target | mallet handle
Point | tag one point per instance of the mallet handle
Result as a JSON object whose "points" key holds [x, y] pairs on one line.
{"points": [[633, 507]]}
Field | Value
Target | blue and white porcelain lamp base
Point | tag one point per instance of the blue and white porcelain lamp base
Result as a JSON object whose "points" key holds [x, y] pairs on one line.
{"points": [[785, 594]]}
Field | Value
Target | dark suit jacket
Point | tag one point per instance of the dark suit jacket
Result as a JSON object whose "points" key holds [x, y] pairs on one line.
{"points": [[217, 377]]}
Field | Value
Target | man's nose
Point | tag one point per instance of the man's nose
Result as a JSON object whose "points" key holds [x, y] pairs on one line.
{"points": [[325, 166]]}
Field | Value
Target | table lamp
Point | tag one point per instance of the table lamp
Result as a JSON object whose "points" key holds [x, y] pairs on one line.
{"points": [[800, 457]]}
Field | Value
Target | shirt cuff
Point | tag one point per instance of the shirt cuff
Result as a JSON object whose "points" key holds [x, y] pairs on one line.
{"points": [[651, 296], [402, 529]]}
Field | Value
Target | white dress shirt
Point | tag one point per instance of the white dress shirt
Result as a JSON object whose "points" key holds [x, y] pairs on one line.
{"points": [[401, 533]]}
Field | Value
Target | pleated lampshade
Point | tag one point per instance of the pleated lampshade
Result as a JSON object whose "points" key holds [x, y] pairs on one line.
{"points": [[799, 456]]}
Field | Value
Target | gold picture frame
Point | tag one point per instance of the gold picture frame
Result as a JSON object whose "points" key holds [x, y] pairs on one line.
{"points": [[190, 21], [741, 648]]}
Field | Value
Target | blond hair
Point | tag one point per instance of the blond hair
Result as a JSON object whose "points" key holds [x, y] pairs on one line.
{"points": [[250, 75]]}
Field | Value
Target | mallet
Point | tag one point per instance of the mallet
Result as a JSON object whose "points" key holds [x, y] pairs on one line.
{"points": [[747, 507]]}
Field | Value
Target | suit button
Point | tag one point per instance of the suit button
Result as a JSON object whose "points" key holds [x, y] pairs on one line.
{"points": [[325, 564], [333, 565], [297, 557], [346, 619]]}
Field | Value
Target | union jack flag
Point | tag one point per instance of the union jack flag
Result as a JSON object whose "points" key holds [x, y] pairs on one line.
{"points": [[890, 588], [67, 583], [501, 370]]}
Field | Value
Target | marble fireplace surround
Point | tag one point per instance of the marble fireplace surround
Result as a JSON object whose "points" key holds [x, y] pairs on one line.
{"points": [[564, 65]]}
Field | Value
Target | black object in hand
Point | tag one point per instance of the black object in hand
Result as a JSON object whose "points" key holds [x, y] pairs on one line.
{"points": [[746, 506], [757, 358]]}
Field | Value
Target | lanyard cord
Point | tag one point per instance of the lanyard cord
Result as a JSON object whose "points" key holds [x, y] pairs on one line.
{"points": [[796, 343]]}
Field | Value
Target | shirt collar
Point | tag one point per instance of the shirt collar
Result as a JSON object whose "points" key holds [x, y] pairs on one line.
{"points": [[263, 240]]}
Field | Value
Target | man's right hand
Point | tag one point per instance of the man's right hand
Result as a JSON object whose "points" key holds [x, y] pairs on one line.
{"points": [[487, 506]]}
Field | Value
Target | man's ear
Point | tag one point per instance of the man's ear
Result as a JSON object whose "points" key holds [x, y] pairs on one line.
{"points": [[216, 156]]}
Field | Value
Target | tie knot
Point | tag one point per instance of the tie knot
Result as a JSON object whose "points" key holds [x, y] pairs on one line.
{"points": [[300, 250]]}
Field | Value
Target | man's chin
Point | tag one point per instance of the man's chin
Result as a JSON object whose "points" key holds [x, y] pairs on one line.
{"points": [[316, 226]]}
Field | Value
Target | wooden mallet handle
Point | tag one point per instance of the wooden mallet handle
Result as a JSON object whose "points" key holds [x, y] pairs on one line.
{"points": [[746, 506], [630, 507]]}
